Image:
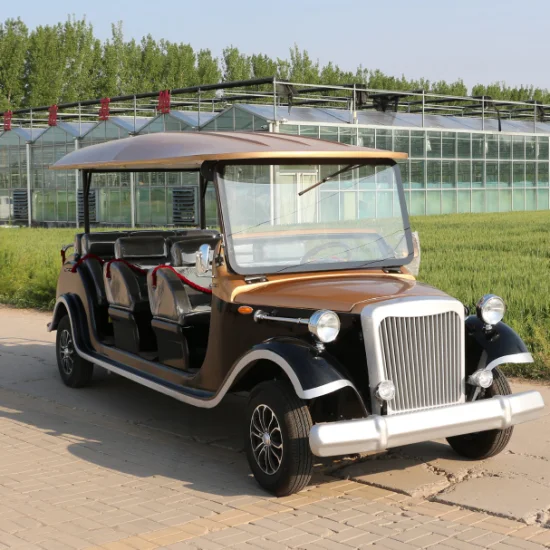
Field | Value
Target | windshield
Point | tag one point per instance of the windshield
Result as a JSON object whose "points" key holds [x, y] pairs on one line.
{"points": [[296, 217]]}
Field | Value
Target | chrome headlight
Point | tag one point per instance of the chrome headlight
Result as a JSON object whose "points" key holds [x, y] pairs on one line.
{"points": [[385, 391], [324, 324], [491, 309], [482, 378]]}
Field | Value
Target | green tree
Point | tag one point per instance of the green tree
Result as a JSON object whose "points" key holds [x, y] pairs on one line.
{"points": [[236, 66], [13, 48], [208, 68]]}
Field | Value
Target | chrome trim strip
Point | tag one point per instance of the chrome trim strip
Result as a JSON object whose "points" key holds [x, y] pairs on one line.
{"points": [[260, 315], [524, 357], [377, 432], [213, 401]]}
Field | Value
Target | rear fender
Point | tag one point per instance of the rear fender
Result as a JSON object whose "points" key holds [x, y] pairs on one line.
{"points": [[70, 304], [487, 349]]}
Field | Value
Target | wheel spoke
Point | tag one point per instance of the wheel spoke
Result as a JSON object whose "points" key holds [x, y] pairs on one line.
{"points": [[266, 439]]}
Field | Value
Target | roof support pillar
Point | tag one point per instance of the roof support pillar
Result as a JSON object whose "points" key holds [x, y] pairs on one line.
{"points": [[87, 176], [76, 186], [29, 192], [202, 197], [133, 199]]}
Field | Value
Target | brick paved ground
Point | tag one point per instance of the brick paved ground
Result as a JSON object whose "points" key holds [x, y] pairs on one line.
{"points": [[70, 478]]}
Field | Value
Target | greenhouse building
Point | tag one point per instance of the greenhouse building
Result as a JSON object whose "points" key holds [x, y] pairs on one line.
{"points": [[465, 154]]}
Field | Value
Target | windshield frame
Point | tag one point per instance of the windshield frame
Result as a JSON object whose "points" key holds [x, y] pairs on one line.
{"points": [[309, 267]]}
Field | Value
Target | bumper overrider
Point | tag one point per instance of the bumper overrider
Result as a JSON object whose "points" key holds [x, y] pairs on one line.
{"points": [[377, 432]]}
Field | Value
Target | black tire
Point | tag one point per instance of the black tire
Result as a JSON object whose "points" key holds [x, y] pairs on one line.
{"points": [[75, 371], [482, 445], [294, 460]]}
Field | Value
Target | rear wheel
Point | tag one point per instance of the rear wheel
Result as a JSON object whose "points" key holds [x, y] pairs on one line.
{"points": [[277, 438], [75, 371], [481, 445]]}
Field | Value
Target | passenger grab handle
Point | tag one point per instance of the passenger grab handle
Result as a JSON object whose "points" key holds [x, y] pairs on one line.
{"points": [[181, 277]]}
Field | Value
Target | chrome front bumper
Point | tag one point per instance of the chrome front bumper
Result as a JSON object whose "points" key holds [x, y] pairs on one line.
{"points": [[377, 433]]}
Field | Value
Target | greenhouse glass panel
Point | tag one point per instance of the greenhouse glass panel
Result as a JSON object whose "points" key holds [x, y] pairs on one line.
{"points": [[143, 201], [211, 208], [433, 202], [478, 201], [542, 148], [448, 145], [464, 173], [384, 139], [491, 200], [448, 173], [464, 146], [434, 173], [348, 135], [404, 169], [505, 174], [491, 174], [366, 137], [348, 205], [505, 200], [417, 144], [433, 144], [243, 120], [530, 174], [224, 122], [542, 174], [448, 202], [478, 146], [289, 129], [384, 178], [418, 174], [518, 174], [401, 141], [518, 199], [158, 206], [543, 197], [505, 147], [477, 174], [418, 203], [491, 146], [329, 205], [530, 147], [330, 133], [518, 147], [463, 203], [530, 199], [384, 204], [309, 131], [366, 174]]}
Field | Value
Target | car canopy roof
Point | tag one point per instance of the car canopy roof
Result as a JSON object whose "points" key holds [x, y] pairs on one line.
{"points": [[187, 151]]}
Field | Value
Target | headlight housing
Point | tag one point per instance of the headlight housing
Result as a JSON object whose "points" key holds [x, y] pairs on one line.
{"points": [[325, 325], [491, 309]]}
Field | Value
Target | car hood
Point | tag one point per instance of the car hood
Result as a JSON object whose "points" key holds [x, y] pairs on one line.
{"points": [[338, 293]]}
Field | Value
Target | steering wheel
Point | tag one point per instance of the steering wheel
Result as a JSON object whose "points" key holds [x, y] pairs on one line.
{"points": [[310, 254]]}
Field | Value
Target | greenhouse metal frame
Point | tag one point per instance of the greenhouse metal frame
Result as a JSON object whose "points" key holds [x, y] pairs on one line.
{"points": [[466, 154]]}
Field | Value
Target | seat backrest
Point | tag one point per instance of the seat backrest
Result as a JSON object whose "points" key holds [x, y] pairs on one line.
{"points": [[100, 244], [95, 271], [183, 252], [142, 250], [124, 287], [168, 297]]}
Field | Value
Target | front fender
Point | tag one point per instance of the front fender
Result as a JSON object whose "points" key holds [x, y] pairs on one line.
{"points": [[489, 349], [311, 374]]}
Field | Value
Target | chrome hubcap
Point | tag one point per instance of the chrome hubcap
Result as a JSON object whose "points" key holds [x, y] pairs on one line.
{"points": [[266, 439], [66, 352]]}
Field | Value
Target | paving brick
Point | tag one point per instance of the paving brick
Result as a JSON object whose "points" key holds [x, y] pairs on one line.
{"points": [[511, 543], [542, 538]]}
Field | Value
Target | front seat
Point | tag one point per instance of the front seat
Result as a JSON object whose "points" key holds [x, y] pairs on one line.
{"points": [[181, 304], [126, 288]]}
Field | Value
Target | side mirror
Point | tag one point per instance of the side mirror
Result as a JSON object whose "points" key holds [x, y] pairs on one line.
{"points": [[414, 266], [202, 265]]}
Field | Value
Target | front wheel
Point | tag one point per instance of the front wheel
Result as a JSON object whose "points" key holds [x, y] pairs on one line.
{"points": [[481, 445], [278, 423], [75, 371]]}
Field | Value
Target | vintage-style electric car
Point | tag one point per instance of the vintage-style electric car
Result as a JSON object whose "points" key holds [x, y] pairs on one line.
{"points": [[300, 296]]}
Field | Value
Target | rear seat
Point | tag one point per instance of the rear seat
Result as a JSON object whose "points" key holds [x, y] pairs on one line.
{"points": [[126, 288]]}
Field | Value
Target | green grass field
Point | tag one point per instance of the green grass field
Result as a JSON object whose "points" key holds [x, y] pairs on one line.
{"points": [[465, 255]]}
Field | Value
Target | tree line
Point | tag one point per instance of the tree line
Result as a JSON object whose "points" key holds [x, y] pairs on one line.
{"points": [[66, 62]]}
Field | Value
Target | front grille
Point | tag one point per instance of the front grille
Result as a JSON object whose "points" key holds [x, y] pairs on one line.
{"points": [[422, 356]]}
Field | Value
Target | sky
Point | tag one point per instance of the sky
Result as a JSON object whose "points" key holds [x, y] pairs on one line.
{"points": [[480, 41]]}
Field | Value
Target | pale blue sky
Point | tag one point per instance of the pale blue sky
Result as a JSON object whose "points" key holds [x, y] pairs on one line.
{"points": [[478, 40]]}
